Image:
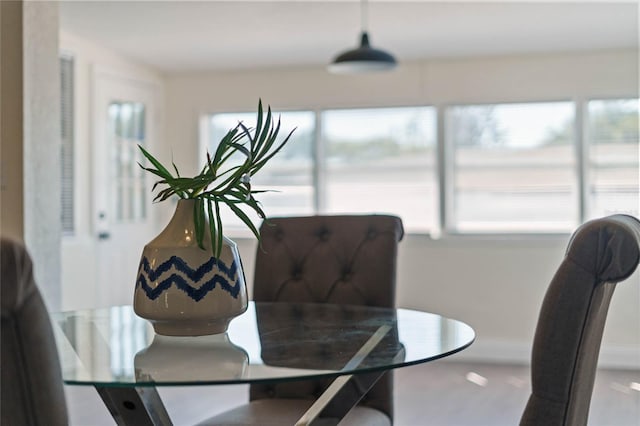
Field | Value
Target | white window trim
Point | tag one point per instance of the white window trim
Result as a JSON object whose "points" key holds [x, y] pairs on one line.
{"points": [[444, 165]]}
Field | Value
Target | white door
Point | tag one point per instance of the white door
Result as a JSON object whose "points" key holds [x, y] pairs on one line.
{"points": [[124, 117]]}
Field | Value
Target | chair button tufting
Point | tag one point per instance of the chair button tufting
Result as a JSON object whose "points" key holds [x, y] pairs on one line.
{"points": [[346, 273], [297, 273], [279, 235], [323, 234], [372, 234]]}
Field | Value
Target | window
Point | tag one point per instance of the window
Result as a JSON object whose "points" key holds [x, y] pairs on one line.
{"points": [[612, 135], [513, 167], [288, 176], [66, 147], [126, 131], [505, 168], [382, 160]]}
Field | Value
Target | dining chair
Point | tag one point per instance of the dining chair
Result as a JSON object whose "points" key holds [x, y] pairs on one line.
{"points": [[31, 390], [601, 253], [347, 259]]}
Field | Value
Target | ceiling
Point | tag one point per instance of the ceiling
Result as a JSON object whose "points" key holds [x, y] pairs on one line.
{"points": [[180, 36]]}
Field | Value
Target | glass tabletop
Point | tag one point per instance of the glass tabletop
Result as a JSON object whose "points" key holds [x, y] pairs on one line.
{"points": [[269, 342]]}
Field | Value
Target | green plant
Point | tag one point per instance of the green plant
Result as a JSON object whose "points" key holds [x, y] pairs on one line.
{"points": [[222, 181]]}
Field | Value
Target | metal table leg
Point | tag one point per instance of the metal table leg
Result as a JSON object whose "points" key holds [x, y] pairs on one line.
{"points": [[139, 406], [337, 390]]}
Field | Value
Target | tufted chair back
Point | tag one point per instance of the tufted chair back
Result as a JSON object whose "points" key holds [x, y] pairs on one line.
{"points": [[32, 391], [328, 259], [567, 340]]}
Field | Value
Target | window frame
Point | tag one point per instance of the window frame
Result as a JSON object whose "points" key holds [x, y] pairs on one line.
{"points": [[444, 173], [585, 141], [320, 143], [448, 160]]}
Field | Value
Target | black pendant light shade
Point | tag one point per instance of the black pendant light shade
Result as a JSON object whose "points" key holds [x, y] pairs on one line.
{"points": [[363, 59]]}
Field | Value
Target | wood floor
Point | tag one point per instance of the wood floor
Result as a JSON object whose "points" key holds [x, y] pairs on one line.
{"points": [[442, 393]]}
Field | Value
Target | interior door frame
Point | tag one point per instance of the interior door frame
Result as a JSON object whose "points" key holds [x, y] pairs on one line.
{"points": [[99, 76], [102, 193]]}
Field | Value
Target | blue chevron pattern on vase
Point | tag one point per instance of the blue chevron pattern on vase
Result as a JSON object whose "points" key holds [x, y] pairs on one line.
{"points": [[223, 279]]}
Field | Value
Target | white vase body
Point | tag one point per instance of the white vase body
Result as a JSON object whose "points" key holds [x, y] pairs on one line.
{"points": [[182, 289]]}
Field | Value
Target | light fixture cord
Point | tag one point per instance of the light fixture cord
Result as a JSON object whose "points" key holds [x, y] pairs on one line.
{"points": [[364, 16]]}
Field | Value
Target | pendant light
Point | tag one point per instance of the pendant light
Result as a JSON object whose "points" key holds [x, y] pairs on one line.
{"points": [[364, 58]]}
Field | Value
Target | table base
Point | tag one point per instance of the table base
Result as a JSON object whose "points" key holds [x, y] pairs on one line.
{"points": [[139, 406]]}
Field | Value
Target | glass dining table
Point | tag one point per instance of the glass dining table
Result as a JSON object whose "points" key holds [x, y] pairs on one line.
{"points": [[119, 354]]}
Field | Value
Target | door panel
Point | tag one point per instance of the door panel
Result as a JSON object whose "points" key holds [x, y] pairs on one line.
{"points": [[124, 112]]}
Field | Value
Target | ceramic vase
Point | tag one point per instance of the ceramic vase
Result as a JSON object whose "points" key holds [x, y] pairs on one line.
{"points": [[182, 289]]}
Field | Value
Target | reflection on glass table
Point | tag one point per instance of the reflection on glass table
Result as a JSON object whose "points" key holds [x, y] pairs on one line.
{"points": [[118, 353]]}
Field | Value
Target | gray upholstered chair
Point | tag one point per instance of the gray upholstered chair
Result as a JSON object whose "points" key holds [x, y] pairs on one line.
{"points": [[601, 253], [32, 392], [322, 259]]}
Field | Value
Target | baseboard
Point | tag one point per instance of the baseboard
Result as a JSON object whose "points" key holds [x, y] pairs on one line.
{"points": [[509, 352]]}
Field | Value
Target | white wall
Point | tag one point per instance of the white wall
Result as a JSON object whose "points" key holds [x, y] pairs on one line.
{"points": [[496, 285], [42, 227], [79, 252], [30, 145]]}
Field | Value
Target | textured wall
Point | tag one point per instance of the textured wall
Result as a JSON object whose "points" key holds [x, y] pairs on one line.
{"points": [[42, 229]]}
